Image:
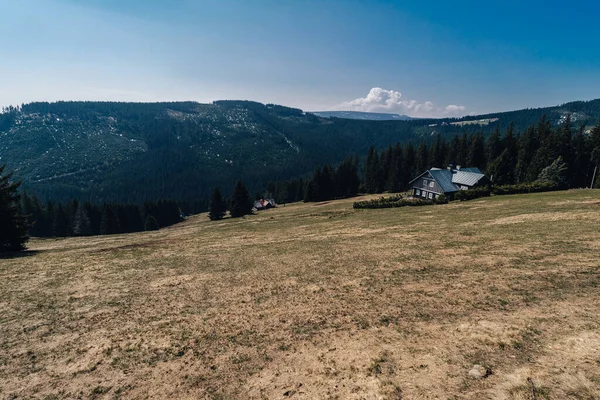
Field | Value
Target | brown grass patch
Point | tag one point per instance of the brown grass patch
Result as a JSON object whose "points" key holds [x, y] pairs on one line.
{"points": [[315, 302]]}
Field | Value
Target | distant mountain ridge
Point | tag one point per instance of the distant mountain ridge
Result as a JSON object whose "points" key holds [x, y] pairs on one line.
{"points": [[363, 115], [133, 152]]}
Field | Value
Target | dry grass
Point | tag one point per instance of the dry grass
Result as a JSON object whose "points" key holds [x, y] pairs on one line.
{"points": [[315, 301]]}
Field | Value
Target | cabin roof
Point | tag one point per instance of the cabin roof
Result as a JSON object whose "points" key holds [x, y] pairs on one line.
{"points": [[449, 180], [444, 178], [466, 178]]}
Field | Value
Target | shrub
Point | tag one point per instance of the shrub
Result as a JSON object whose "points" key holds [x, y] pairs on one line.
{"points": [[532, 187], [472, 194], [392, 202]]}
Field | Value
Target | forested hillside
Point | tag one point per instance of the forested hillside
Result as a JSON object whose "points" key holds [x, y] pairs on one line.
{"points": [[136, 152]]}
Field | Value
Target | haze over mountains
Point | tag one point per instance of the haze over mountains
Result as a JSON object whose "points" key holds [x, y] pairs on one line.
{"points": [[363, 115], [105, 151]]}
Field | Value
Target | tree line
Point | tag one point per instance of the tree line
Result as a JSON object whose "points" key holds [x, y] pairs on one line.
{"points": [[508, 158], [55, 219], [564, 155]]}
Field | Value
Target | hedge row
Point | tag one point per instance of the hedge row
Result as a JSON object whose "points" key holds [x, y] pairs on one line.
{"points": [[396, 201], [471, 194], [533, 187]]}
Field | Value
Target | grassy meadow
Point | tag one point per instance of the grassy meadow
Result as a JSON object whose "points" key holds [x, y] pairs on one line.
{"points": [[315, 301]]}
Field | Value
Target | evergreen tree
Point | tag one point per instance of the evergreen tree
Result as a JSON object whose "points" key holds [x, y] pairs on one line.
{"points": [[463, 153], [546, 151], [395, 173], [476, 156], [493, 146], [437, 152], [151, 224], [60, 223], [13, 231], [240, 201], [373, 172], [580, 171], [527, 147], [346, 178], [311, 189], [109, 223], [422, 160], [453, 150], [82, 226], [217, 206], [408, 165]]}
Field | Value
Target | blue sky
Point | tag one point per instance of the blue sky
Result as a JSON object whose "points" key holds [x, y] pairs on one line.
{"points": [[422, 58]]}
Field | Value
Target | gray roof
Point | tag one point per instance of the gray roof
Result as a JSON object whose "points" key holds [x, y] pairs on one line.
{"points": [[466, 178], [472, 169], [444, 178], [449, 181]]}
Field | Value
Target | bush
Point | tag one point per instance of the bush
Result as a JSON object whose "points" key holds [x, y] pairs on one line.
{"points": [[532, 187], [441, 199], [392, 202], [472, 194]]}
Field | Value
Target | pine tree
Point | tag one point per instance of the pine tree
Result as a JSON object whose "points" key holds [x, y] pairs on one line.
{"points": [[493, 146], [464, 146], [240, 201], [527, 148], [346, 178], [408, 165], [82, 225], [217, 207], [422, 160], [453, 151], [151, 224], [109, 224], [476, 156], [13, 234], [395, 174], [580, 171], [373, 174], [60, 223]]}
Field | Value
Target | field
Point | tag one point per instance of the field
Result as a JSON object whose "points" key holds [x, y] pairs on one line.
{"points": [[316, 301]]}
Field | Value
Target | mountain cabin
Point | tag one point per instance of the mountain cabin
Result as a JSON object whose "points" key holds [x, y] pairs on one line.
{"points": [[436, 181]]}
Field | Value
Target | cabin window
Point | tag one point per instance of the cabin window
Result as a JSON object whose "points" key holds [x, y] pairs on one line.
{"points": [[418, 192], [425, 182], [431, 184], [431, 195], [425, 194]]}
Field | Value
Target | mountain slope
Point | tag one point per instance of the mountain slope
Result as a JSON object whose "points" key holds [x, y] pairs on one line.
{"points": [[107, 151]]}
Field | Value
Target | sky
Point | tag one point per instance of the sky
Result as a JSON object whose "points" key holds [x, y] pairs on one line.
{"points": [[420, 58]]}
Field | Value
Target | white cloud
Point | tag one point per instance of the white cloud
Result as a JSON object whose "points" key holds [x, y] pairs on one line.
{"points": [[454, 109], [391, 101]]}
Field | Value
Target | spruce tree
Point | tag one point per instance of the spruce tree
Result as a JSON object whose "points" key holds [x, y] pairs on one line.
{"points": [[13, 231], [60, 223], [82, 225], [476, 156], [421, 159], [109, 223], [217, 206], [372, 172], [494, 146], [240, 201], [151, 224]]}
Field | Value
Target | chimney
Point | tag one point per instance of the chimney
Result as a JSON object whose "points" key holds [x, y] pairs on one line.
{"points": [[458, 167], [450, 167]]}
